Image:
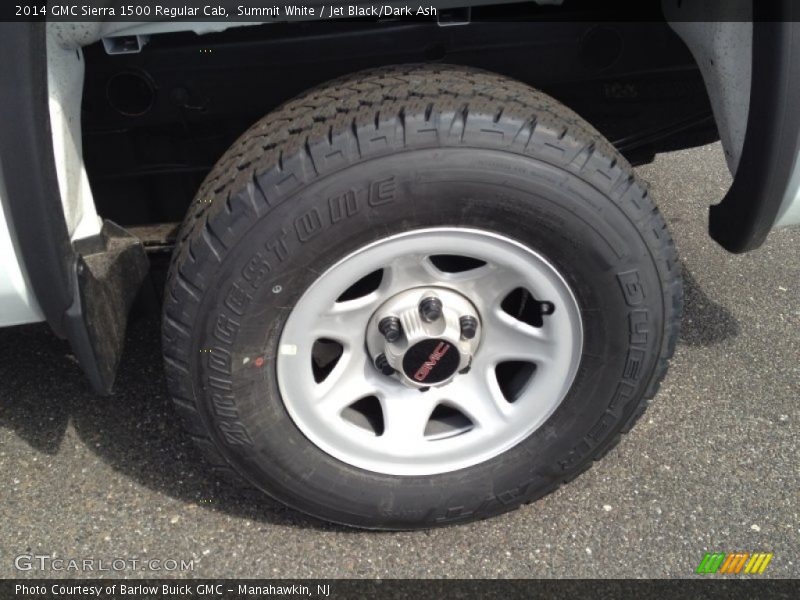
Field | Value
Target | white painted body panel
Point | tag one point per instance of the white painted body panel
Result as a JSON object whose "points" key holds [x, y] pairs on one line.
{"points": [[789, 212], [65, 70], [17, 303]]}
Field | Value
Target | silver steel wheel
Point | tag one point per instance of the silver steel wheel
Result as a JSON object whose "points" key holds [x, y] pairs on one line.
{"points": [[517, 371]]}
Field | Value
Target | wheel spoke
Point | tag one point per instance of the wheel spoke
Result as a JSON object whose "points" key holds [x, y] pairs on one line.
{"points": [[344, 323], [405, 414], [478, 396], [487, 286], [351, 380], [408, 271], [505, 338]]}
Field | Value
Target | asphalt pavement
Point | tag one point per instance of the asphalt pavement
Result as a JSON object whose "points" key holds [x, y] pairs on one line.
{"points": [[712, 466]]}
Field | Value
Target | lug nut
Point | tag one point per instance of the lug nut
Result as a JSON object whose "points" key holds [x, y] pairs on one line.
{"points": [[469, 326], [390, 328], [383, 365], [430, 309]]}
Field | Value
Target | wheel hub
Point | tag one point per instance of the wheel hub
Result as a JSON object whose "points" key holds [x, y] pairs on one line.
{"points": [[424, 337]]}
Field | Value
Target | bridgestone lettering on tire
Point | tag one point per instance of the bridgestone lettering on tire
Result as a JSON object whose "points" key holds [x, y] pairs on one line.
{"points": [[447, 157]]}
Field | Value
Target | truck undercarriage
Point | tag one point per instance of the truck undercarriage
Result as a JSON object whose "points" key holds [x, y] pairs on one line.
{"points": [[154, 122]]}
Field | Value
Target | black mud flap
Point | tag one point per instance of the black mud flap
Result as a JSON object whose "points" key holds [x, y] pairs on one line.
{"points": [[748, 211], [109, 271], [85, 289]]}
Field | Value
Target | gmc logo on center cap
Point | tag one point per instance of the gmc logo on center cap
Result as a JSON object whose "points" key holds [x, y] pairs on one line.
{"points": [[432, 361]]}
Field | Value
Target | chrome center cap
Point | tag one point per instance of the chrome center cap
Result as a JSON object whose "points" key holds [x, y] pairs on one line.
{"points": [[424, 336]]}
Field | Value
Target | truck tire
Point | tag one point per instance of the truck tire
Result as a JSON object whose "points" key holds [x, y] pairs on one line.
{"points": [[415, 296]]}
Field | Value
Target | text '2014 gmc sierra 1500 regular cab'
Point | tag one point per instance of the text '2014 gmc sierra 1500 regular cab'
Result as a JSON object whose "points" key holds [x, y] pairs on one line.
{"points": [[413, 278]]}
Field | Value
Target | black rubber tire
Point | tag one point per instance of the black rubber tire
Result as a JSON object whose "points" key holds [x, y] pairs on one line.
{"points": [[413, 146]]}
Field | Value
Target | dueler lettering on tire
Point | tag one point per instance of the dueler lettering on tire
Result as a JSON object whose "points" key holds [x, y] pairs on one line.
{"points": [[529, 290]]}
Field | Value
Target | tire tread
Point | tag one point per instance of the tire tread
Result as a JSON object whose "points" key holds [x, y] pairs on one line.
{"points": [[341, 123]]}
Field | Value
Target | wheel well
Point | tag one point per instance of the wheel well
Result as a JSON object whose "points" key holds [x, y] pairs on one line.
{"points": [[155, 122]]}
